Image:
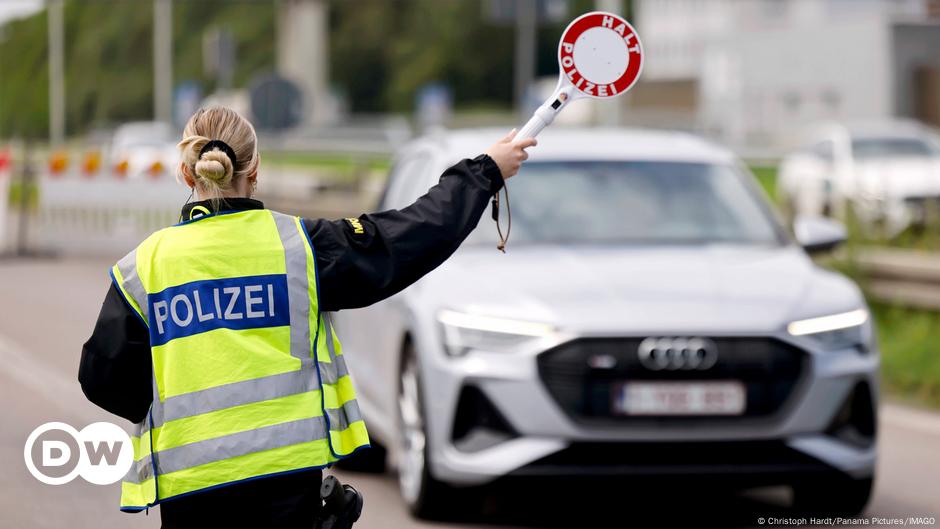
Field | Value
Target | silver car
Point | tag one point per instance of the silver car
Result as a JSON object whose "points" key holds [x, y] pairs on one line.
{"points": [[889, 172], [651, 318]]}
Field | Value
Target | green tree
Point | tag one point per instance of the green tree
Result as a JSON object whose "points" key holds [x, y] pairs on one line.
{"points": [[109, 59], [381, 53]]}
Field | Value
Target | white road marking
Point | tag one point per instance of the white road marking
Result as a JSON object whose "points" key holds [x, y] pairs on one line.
{"points": [[44, 380]]}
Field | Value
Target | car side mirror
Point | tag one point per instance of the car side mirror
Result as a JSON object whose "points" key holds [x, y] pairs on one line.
{"points": [[818, 234]]}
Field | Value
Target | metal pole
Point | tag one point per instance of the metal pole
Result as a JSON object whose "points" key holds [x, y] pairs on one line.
{"points": [[303, 53], [56, 30], [162, 60], [611, 111], [524, 74]]}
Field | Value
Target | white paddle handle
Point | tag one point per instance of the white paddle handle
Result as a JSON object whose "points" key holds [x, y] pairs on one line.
{"points": [[544, 115], [539, 120]]}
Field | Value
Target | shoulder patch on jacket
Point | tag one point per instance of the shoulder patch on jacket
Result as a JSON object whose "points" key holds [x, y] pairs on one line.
{"points": [[356, 225]]}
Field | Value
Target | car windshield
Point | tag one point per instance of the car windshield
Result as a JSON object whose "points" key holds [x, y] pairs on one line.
{"points": [[892, 147], [635, 202]]}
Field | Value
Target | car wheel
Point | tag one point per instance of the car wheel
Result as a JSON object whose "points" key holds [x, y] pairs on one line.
{"points": [[368, 460], [425, 496], [838, 496]]}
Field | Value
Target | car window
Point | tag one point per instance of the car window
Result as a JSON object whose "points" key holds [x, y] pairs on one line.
{"points": [[892, 147], [648, 202], [408, 180]]}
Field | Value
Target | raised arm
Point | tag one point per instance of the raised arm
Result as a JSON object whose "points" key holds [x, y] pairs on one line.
{"points": [[365, 260]]}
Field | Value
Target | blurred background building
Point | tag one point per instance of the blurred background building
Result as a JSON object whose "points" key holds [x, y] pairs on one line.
{"points": [[750, 74], [754, 73]]}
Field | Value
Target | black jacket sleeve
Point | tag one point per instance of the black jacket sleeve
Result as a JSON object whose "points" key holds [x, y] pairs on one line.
{"points": [[115, 367], [365, 260]]}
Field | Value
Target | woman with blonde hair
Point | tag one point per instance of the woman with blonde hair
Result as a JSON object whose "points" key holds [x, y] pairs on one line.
{"points": [[214, 337]]}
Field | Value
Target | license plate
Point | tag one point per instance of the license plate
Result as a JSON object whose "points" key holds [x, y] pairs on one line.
{"points": [[680, 398]]}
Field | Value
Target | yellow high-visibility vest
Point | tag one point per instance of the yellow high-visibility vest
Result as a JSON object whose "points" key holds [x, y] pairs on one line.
{"points": [[248, 376]]}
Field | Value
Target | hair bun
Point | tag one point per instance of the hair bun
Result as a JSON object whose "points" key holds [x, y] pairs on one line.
{"points": [[215, 166]]}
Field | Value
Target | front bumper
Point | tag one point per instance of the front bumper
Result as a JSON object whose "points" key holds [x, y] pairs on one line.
{"points": [[530, 431], [761, 460]]}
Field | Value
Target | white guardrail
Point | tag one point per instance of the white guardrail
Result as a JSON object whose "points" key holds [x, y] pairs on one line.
{"points": [[905, 277], [108, 213], [86, 207], [101, 214]]}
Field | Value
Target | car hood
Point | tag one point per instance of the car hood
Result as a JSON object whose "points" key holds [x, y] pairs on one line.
{"points": [[714, 288], [900, 178]]}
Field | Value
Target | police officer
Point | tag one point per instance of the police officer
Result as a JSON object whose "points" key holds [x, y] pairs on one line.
{"points": [[215, 340]]}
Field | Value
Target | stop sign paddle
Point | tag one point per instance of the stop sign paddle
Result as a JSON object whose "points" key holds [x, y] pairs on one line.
{"points": [[599, 56]]}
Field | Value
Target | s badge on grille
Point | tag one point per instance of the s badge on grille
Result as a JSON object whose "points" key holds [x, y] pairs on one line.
{"points": [[673, 354], [602, 361]]}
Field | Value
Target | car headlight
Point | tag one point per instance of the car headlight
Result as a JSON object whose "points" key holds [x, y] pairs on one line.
{"points": [[463, 332], [836, 331]]}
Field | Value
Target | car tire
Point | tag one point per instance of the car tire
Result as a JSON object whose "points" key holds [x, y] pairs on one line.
{"points": [[833, 496], [425, 496], [367, 461]]}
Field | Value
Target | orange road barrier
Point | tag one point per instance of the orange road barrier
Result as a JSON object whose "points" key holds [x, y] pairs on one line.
{"points": [[58, 163], [155, 170], [120, 170], [91, 163]]}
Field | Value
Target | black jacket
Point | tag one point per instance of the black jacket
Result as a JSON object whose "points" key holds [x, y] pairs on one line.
{"points": [[357, 266]]}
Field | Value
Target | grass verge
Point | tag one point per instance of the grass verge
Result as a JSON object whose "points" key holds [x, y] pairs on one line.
{"points": [[767, 178], [910, 352]]}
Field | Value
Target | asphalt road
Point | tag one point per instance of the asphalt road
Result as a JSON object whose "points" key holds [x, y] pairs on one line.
{"points": [[48, 308]]}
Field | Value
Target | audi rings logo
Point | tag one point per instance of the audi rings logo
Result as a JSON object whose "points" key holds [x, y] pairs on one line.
{"points": [[674, 354]]}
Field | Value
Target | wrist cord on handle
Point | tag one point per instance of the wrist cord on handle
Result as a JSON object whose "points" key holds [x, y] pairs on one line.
{"points": [[501, 245], [542, 118]]}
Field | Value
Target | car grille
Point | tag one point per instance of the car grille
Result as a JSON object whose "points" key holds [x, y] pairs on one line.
{"points": [[768, 368]]}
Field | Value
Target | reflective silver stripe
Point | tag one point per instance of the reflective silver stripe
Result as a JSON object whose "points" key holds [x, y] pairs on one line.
{"points": [[333, 371], [336, 368], [156, 407], [244, 392], [139, 431], [341, 418], [330, 346], [233, 394], [229, 446], [133, 475], [298, 295], [131, 283]]}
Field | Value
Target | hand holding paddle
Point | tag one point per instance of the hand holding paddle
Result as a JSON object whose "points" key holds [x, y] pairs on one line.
{"points": [[509, 153]]}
